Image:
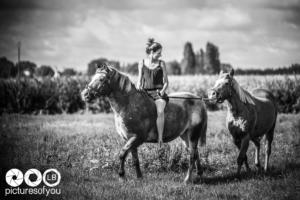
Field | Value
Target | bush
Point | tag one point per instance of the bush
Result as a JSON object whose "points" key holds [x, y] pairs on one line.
{"points": [[287, 94]]}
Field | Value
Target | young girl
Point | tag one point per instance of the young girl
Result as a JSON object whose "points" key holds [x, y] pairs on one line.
{"points": [[154, 80]]}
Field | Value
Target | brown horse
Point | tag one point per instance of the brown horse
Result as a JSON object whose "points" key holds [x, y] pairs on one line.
{"points": [[249, 116], [135, 117]]}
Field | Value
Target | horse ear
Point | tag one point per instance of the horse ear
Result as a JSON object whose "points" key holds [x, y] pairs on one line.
{"points": [[97, 65], [231, 73], [101, 65]]}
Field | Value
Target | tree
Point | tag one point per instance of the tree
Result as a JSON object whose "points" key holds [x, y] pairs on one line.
{"points": [[212, 61], [132, 68], [226, 67], [173, 67], [7, 68], [188, 61], [44, 71], [114, 64], [199, 58], [69, 72], [92, 66], [26, 68]]}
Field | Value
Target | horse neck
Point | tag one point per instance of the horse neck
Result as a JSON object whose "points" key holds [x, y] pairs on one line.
{"points": [[234, 104], [119, 97]]}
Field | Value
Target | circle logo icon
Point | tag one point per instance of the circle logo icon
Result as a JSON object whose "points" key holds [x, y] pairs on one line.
{"points": [[33, 173], [14, 177], [51, 177]]}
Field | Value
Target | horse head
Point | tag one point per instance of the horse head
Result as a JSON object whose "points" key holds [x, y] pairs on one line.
{"points": [[223, 87], [100, 83]]}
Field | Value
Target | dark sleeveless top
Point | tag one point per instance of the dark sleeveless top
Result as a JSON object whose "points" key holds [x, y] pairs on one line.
{"points": [[152, 78]]}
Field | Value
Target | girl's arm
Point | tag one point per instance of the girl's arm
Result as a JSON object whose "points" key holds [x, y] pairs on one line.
{"points": [[139, 82], [166, 81]]}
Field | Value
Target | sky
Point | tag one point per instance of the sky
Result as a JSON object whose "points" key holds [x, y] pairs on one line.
{"points": [[71, 33]]}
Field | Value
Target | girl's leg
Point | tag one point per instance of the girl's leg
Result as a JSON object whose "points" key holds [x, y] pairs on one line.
{"points": [[160, 106]]}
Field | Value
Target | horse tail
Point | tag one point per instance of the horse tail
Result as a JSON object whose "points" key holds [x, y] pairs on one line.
{"points": [[203, 135], [264, 93], [272, 98], [202, 138]]}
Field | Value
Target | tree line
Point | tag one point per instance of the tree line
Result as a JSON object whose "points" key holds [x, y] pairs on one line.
{"points": [[29, 69], [200, 62]]}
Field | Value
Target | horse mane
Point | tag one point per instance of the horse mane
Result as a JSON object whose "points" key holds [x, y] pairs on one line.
{"points": [[243, 94], [122, 80]]}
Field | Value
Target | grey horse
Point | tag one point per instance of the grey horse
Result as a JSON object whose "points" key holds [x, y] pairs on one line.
{"points": [[135, 117], [249, 116]]}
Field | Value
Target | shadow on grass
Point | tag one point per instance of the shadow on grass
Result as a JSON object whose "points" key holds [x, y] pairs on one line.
{"points": [[273, 172]]}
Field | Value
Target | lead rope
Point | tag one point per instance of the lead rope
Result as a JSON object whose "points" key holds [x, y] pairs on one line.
{"points": [[196, 98]]}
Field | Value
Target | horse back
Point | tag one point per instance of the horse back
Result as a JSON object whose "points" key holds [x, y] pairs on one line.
{"points": [[264, 96], [266, 108], [263, 93], [181, 115]]}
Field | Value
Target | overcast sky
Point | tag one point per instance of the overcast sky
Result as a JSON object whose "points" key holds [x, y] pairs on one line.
{"points": [[70, 33]]}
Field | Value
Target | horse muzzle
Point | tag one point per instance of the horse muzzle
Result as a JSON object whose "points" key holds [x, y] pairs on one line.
{"points": [[214, 96], [86, 95]]}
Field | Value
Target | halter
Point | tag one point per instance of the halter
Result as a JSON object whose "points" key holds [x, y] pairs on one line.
{"points": [[230, 91], [231, 87], [106, 82]]}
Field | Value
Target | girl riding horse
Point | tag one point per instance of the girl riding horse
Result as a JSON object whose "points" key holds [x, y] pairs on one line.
{"points": [[154, 80]]}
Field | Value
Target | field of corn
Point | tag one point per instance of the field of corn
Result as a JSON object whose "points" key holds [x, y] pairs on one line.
{"points": [[62, 95]]}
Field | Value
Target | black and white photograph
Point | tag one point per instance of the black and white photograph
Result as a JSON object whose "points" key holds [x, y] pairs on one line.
{"points": [[161, 99]]}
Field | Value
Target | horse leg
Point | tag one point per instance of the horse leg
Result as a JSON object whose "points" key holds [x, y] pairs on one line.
{"points": [[257, 149], [242, 155], [136, 162], [132, 142], [246, 164], [237, 143], [192, 159], [184, 137], [198, 165], [269, 139]]}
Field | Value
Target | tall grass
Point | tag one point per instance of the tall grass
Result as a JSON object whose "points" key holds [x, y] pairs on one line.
{"points": [[84, 148]]}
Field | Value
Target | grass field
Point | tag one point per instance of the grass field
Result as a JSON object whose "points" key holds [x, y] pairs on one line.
{"points": [[84, 148]]}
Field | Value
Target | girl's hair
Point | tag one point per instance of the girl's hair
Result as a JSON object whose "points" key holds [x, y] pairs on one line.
{"points": [[152, 46]]}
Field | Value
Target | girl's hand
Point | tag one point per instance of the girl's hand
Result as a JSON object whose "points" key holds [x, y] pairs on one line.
{"points": [[161, 93], [139, 88]]}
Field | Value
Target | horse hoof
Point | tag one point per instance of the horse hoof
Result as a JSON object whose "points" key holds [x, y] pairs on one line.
{"points": [[139, 177], [266, 170], [198, 179], [200, 172], [238, 176], [187, 181], [259, 168], [122, 179]]}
